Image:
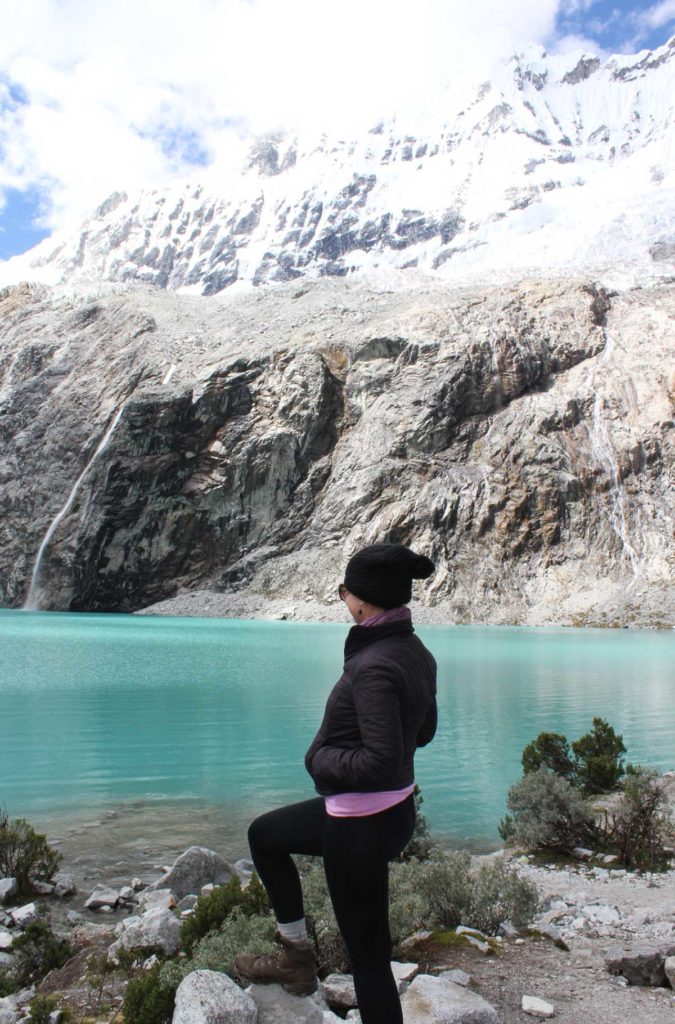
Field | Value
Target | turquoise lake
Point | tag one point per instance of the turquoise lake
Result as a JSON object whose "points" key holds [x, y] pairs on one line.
{"points": [[210, 718]]}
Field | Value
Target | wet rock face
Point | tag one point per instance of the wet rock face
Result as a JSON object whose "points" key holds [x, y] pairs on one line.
{"points": [[522, 437]]}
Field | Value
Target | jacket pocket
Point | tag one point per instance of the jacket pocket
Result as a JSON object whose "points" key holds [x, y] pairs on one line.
{"points": [[317, 742]]}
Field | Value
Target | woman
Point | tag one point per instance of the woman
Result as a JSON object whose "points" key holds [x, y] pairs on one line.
{"points": [[361, 761]]}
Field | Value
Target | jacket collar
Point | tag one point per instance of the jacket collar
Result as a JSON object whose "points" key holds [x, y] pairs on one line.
{"points": [[359, 637]]}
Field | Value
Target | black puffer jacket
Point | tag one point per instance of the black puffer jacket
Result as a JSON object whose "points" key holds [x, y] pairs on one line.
{"points": [[381, 709]]}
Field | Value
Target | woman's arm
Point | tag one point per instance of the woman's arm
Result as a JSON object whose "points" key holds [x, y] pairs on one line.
{"points": [[380, 756], [428, 727]]}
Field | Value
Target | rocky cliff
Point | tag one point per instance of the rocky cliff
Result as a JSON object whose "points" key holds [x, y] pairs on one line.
{"points": [[153, 444]]}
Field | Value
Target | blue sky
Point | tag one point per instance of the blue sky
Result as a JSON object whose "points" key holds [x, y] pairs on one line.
{"points": [[112, 95]]}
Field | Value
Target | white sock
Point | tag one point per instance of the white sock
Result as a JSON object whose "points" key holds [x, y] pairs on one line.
{"points": [[294, 931]]}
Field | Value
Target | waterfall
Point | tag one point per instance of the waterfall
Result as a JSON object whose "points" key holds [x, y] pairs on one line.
{"points": [[602, 452], [31, 602]]}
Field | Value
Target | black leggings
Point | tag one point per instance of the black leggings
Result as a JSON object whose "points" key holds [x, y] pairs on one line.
{"points": [[355, 852]]}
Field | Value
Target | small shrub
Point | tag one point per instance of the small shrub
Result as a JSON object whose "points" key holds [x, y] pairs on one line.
{"points": [[599, 764], [149, 999], [498, 893], [421, 844], [239, 933], [24, 853], [41, 1009], [550, 750], [211, 911], [38, 951], [446, 885], [548, 813], [321, 924], [8, 984], [640, 825]]}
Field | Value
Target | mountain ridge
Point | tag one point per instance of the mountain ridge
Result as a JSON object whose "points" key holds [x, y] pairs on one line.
{"points": [[559, 164]]}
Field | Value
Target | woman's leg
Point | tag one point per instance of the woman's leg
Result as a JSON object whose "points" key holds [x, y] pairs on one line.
{"points": [[356, 855], [273, 837]]}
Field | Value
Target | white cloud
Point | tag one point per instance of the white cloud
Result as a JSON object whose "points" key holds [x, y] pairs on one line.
{"points": [[130, 93], [659, 15]]}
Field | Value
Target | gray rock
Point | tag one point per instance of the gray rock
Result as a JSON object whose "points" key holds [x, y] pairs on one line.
{"points": [[537, 1007], [508, 930], [581, 853], [338, 991], [208, 997], [275, 1006], [6, 940], [436, 1001], [669, 968], [8, 1011], [640, 964], [74, 919], [193, 869], [602, 914], [136, 884], [43, 888], [102, 898], [158, 927], [150, 899], [127, 894], [457, 976], [25, 915], [64, 885], [9, 888], [188, 902], [6, 960]]}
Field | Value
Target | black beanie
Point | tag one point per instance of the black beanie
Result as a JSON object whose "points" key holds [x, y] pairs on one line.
{"points": [[382, 574]]}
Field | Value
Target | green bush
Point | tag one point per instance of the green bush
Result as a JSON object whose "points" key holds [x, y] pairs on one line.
{"points": [[547, 813], [7, 983], [41, 1009], [599, 764], [149, 998], [640, 825], [25, 854], [421, 844], [211, 911], [239, 933], [37, 952], [550, 750]]}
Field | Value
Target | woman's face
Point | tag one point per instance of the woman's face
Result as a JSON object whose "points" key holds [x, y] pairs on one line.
{"points": [[354, 604]]}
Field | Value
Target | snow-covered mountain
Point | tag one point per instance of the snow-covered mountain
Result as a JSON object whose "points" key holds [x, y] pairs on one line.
{"points": [[560, 163]]}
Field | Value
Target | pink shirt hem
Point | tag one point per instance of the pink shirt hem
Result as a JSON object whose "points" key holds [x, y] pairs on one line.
{"points": [[359, 805]]}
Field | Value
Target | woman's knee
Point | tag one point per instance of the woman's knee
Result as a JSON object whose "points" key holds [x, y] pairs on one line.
{"points": [[260, 835]]}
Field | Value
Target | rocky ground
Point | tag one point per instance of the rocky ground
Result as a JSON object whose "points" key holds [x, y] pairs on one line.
{"points": [[591, 910]]}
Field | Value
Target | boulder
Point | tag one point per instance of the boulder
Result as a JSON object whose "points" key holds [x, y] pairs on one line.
{"points": [[193, 869], [432, 1000], [25, 915], [338, 989], [641, 964], [188, 902], [153, 898], [127, 894], [157, 927], [6, 940], [208, 997], [602, 914], [537, 1007], [43, 888], [63, 885], [508, 930], [6, 960], [275, 1006], [8, 1011], [581, 853], [669, 968], [9, 888], [103, 897]]}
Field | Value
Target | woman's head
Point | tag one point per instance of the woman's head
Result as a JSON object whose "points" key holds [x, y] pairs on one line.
{"points": [[381, 575]]}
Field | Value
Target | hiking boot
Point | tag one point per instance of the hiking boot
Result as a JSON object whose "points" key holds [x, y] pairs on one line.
{"points": [[293, 966]]}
